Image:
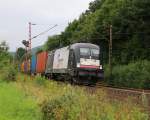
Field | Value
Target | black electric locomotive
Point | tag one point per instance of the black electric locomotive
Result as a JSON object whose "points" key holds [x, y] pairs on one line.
{"points": [[78, 63]]}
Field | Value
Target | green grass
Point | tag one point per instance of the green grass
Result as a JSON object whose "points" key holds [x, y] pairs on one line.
{"points": [[66, 102], [15, 105], [39, 99], [76, 104]]}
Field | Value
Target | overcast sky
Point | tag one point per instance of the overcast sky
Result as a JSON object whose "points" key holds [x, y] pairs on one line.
{"points": [[15, 15]]}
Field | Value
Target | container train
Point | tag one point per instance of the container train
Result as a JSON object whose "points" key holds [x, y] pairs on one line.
{"points": [[77, 63]]}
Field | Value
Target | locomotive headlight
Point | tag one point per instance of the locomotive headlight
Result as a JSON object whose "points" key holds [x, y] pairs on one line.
{"points": [[78, 64], [100, 67]]}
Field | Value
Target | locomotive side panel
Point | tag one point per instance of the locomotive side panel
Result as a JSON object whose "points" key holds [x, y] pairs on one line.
{"points": [[60, 63]]}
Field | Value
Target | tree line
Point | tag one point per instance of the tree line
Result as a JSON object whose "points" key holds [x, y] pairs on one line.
{"points": [[131, 34], [130, 20]]}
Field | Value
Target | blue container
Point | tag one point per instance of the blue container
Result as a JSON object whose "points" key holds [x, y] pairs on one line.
{"points": [[33, 64]]}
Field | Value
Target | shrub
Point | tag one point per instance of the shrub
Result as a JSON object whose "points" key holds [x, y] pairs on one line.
{"points": [[134, 75], [65, 107], [40, 80], [77, 105], [9, 73]]}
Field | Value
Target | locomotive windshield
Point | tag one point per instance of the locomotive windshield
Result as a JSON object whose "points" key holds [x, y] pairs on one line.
{"points": [[87, 52], [84, 52], [94, 52]]}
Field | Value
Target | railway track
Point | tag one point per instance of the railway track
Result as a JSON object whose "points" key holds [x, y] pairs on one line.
{"points": [[121, 94], [131, 90], [137, 96]]}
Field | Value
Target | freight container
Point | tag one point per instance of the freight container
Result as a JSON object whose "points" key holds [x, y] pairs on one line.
{"points": [[41, 62], [27, 66], [33, 64], [22, 66]]}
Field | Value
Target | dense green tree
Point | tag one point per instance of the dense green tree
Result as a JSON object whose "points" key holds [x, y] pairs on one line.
{"points": [[52, 42], [39, 50], [131, 34], [5, 57], [3, 47], [20, 53], [95, 5]]}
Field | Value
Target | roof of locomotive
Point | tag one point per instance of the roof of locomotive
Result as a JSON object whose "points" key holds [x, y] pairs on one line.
{"points": [[79, 45]]}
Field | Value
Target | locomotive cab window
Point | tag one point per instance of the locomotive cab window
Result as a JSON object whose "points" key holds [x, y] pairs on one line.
{"points": [[84, 52], [95, 53], [87, 52]]}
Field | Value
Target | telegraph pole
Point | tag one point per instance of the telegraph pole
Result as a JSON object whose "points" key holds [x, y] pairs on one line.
{"points": [[110, 50], [28, 44]]}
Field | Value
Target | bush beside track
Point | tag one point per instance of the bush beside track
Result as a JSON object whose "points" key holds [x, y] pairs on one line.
{"points": [[133, 75]]}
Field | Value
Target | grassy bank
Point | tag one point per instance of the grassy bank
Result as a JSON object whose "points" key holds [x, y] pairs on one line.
{"points": [[35, 98], [59, 101], [15, 105]]}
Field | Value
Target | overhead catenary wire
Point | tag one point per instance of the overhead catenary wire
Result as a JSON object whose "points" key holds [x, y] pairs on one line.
{"points": [[44, 32]]}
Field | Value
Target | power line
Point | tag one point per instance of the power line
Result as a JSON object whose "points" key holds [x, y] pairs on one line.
{"points": [[44, 32], [130, 33]]}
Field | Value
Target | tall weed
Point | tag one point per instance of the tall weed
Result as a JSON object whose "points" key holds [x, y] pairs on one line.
{"points": [[9, 73], [75, 105], [39, 80]]}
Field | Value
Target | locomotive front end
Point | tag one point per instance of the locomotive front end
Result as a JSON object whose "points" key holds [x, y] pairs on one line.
{"points": [[88, 64]]}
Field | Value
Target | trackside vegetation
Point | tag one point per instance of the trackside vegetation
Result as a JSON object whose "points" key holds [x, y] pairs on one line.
{"points": [[15, 105], [132, 75], [59, 101]]}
